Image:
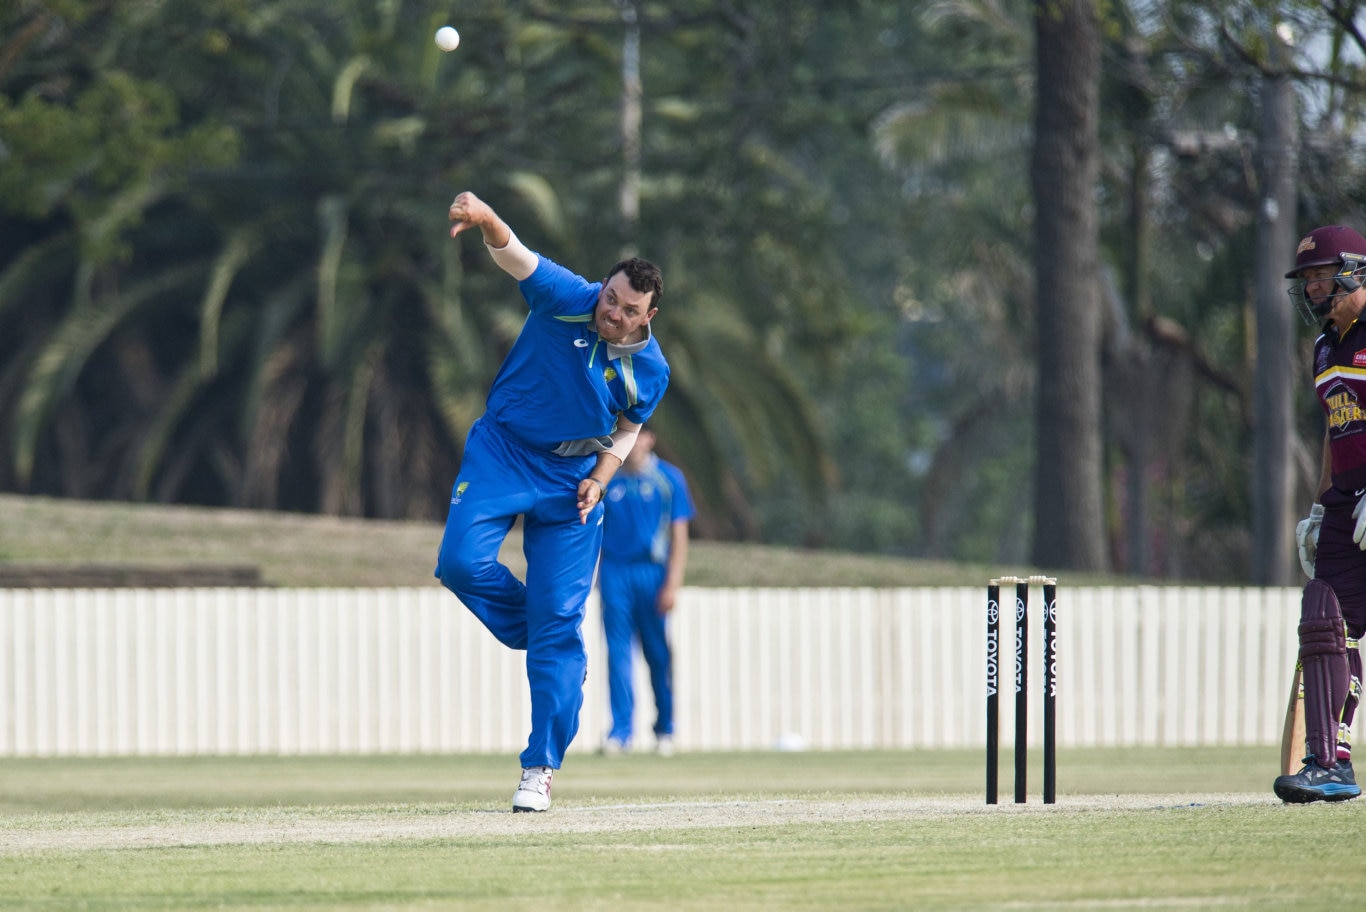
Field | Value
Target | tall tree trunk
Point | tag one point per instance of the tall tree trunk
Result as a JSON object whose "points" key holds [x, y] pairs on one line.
{"points": [[1138, 452], [631, 99], [1069, 529], [1273, 560]]}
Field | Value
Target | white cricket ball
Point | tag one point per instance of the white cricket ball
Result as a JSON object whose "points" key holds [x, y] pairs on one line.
{"points": [[447, 38]]}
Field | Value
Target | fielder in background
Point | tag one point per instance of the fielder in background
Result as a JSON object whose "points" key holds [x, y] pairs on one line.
{"points": [[1330, 266], [563, 413], [644, 555]]}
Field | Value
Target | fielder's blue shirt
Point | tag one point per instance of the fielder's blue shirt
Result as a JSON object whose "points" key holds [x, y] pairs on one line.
{"points": [[641, 510], [558, 382]]}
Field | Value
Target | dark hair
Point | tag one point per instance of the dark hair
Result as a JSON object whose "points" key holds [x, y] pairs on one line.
{"points": [[643, 276]]}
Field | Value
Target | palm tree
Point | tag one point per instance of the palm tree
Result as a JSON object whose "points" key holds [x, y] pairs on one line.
{"points": [[273, 316]]}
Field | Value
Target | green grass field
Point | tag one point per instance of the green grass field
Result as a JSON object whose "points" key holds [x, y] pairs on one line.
{"points": [[1138, 829]]}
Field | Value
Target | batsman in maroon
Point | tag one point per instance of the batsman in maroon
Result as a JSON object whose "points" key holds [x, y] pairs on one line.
{"points": [[1327, 287]]}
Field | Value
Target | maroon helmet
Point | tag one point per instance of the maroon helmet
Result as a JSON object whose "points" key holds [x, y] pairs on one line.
{"points": [[1325, 247], [1330, 245]]}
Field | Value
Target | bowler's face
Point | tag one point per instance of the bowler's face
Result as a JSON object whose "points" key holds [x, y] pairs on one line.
{"points": [[622, 312]]}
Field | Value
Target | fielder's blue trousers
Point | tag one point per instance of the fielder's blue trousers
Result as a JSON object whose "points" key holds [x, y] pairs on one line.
{"points": [[630, 610]]}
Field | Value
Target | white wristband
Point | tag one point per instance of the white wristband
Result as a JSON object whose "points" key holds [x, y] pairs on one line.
{"points": [[514, 258]]}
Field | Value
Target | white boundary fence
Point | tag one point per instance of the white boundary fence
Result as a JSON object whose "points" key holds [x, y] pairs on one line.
{"points": [[303, 671]]}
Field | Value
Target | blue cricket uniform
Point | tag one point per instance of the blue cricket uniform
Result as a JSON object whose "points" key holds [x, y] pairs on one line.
{"points": [[641, 510], [560, 388]]}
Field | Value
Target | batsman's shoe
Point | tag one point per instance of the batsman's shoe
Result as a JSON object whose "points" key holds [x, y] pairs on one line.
{"points": [[533, 793], [1314, 783]]}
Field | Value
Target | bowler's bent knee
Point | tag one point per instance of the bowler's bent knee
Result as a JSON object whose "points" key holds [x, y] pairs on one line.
{"points": [[491, 593]]}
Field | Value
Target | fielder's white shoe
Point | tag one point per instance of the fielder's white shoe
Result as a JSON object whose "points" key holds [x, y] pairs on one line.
{"points": [[664, 745], [612, 747], [533, 793]]}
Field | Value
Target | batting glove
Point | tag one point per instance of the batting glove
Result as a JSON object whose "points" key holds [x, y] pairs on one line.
{"points": [[1307, 536], [1359, 514]]}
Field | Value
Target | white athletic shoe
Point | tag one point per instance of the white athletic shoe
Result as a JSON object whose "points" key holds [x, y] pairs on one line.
{"points": [[533, 793], [664, 745], [612, 747]]}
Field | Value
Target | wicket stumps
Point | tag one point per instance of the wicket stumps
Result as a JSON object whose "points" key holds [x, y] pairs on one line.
{"points": [[1050, 687]]}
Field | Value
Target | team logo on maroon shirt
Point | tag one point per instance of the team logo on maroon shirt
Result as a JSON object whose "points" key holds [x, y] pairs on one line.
{"points": [[1343, 407], [1359, 359]]}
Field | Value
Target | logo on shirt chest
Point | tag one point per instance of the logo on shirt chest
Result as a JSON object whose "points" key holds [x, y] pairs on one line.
{"points": [[1359, 359]]}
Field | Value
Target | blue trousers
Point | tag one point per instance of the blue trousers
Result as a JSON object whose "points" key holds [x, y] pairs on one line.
{"points": [[499, 480], [629, 612]]}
